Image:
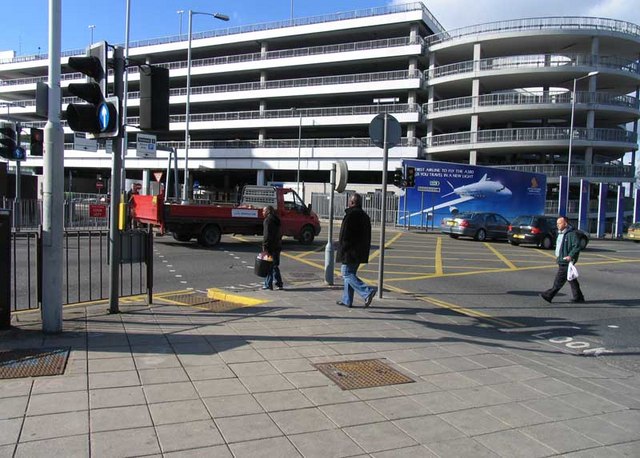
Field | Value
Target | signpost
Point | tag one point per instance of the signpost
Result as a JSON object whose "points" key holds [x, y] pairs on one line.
{"points": [[82, 143], [99, 185], [146, 145], [97, 211], [385, 133]]}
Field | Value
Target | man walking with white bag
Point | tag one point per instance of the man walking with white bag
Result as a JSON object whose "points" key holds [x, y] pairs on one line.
{"points": [[567, 251]]}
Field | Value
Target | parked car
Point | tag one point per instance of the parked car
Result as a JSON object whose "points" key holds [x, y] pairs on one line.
{"points": [[633, 233], [479, 225], [539, 230], [533, 229]]}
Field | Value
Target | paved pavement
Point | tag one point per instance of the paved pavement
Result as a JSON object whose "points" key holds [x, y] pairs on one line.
{"points": [[175, 380]]}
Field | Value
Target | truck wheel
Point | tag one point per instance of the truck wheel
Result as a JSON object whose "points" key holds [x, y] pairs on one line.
{"points": [[181, 236], [210, 236], [307, 235]]}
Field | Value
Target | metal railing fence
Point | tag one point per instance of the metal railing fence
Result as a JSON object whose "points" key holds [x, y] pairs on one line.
{"points": [[27, 213], [530, 134], [539, 23], [85, 266], [534, 61], [294, 22], [532, 98]]}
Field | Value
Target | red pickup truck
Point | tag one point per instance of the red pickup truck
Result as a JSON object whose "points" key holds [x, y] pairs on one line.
{"points": [[208, 222]]}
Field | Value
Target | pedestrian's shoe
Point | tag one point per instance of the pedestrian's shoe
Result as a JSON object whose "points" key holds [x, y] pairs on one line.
{"points": [[267, 287], [369, 299], [578, 300], [545, 297], [342, 303], [280, 287]]}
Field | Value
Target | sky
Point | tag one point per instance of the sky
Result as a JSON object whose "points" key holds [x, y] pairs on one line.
{"points": [[28, 33]]}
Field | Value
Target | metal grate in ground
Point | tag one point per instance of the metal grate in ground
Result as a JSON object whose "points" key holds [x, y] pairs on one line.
{"points": [[367, 373], [33, 362], [201, 301]]}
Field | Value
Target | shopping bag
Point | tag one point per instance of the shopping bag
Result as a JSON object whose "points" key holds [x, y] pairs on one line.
{"points": [[263, 264], [572, 272]]}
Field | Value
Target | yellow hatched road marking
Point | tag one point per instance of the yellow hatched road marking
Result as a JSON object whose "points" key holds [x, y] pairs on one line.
{"points": [[501, 256]]}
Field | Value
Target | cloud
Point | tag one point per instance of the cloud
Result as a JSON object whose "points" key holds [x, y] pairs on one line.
{"points": [[460, 13]]}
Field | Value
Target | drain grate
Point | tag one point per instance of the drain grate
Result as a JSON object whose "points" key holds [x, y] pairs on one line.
{"points": [[367, 373], [202, 301], [33, 362]]}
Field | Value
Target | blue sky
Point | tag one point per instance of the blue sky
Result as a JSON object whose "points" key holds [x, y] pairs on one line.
{"points": [[27, 33]]}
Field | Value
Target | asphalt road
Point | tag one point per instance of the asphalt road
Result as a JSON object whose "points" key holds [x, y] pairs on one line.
{"points": [[494, 283]]}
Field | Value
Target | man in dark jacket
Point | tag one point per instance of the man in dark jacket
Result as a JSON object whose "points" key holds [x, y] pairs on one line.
{"points": [[353, 250], [272, 244], [567, 250]]}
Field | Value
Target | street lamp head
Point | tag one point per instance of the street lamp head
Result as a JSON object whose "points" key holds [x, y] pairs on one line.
{"points": [[222, 17], [592, 73], [180, 11]]}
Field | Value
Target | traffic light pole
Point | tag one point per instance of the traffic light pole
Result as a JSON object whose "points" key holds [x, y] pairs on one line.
{"points": [[17, 211], [53, 186], [116, 168]]}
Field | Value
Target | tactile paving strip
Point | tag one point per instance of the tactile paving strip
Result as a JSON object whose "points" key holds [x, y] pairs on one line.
{"points": [[34, 362], [203, 301], [367, 373]]}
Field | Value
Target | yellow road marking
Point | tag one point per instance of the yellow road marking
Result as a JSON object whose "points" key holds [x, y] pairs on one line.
{"points": [[607, 257], [518, 269], [462, 310], [438, 260], [387, 244], [501, 256]]}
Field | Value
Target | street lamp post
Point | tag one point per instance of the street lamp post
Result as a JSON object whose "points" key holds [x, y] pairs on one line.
{"points": [[185, 187], [573, 110], [91, 27], [180, 12], [299, 148]]}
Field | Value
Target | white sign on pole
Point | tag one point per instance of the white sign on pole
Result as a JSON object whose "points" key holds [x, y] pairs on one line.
{"points": [[108, 146], [81, 143], [146, 145]]}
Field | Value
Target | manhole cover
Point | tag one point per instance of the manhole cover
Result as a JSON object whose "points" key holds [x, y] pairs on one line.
{"points": [[367, 373], [33, 362], [202, 301]]}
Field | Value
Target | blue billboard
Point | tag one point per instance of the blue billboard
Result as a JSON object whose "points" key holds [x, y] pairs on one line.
{"points": [[443, 189]]}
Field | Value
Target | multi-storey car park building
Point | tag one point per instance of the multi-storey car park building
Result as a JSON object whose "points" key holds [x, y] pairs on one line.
{"points": [[273, 99]]}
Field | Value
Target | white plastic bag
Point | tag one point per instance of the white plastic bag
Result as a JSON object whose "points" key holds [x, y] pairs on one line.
{"points": [[572, 272]]}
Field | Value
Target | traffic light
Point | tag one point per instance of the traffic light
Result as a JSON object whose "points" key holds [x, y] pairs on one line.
{"points": [[411, 177], [154, 98], [36, 140], [397, 177], [9, 148], [99, 116]]}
